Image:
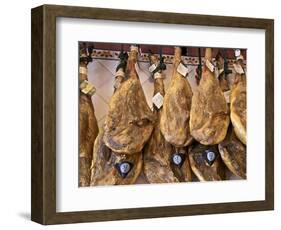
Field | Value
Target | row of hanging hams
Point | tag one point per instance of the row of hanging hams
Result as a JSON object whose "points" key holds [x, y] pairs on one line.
{"points": [[191, 133]]}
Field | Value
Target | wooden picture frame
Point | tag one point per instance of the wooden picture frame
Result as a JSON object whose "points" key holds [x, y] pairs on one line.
{"points": [[43, 208]]}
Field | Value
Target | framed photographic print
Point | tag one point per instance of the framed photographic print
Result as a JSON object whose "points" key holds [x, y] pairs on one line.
{"points": [[140, 114]]}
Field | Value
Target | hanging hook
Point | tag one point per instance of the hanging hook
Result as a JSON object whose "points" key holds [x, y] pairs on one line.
{"points": [[225, 64], [199, 67], [86, 53], [123, 56], [161, 65]]}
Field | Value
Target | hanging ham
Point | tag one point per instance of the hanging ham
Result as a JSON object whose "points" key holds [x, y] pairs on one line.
{"points": [[174, 121], [129, 121], [209, 117], [163, 163], [109, 167], [238, 103], [206, 163], [233, 154], [87, 123], [158, 152]]}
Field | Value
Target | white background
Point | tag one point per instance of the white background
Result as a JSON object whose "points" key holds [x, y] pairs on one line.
{"points": [[15, 114]]}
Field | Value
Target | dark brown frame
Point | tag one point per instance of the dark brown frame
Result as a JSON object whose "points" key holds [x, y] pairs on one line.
{"points": [[43, 189]]}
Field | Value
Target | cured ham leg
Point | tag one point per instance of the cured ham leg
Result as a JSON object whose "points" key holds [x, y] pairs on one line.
{"points": [[88, 126], [129, 121], [109, 167], [163, 163], [206, 163], [174, 121], [158, 152], [209, 118], [233, 154], [238, 104]]}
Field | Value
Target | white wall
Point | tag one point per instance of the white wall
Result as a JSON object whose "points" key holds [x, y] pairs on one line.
{"points": [[15, 114]]}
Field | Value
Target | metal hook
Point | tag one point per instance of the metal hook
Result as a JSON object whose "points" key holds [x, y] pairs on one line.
{"points": [[88, 50], [199, 68], [225, 65], [123, 56]]}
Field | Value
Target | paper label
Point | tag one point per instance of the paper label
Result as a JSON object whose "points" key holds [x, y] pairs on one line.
{"points": [[83, 70], [210, 66], [183, 70], [237, 52], [238, 68], [87, 88], [152, 68], [227, 96], [158, 100]]}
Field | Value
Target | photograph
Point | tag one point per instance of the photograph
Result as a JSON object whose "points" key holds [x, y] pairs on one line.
{"points": [[155, 114]]}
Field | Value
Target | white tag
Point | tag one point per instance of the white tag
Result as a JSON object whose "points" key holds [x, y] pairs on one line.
{"points": [[227, 96], [237, 52], [210, 66], [87, 88], [152, 68], [238, 68], [158, 100], [183, 70]]}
